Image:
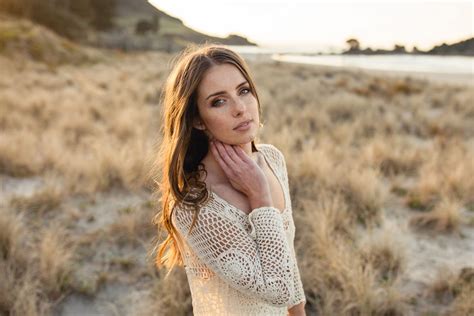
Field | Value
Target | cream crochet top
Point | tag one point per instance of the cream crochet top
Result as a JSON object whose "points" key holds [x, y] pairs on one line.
{"points": [[239, 264]]}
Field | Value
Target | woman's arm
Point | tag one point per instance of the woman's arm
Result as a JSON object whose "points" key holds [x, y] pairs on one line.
{"points": [[296, 306], [258, 265], [299, 297]]}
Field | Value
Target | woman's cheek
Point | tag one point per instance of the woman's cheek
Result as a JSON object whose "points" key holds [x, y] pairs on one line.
{"points": [[217, 129]]}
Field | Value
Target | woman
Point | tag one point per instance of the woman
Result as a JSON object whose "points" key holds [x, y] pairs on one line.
{"points": [[225, 200]]}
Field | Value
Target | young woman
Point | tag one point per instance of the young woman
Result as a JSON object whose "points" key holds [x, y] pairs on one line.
{"points": [[225, 199]]}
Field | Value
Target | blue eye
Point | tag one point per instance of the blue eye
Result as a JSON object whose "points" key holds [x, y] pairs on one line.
{"points": [[217, 102], [247, 90], [220, 101]]}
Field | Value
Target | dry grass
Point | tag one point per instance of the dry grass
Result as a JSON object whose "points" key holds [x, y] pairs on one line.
{"points": [[11, 234], [454, 290], [382, 250], [28, 300], [90, 145], [55, 260], [174, 294], [20, 291], [394, 156], [133, 226], [45, 200], [34, 268], [463, 303], [446, 173], [13, 264], [326, 168], [445, 218], [341, 278]]}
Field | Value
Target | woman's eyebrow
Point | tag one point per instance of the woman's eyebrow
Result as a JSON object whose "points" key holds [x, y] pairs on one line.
{"points": [[222, 92]]}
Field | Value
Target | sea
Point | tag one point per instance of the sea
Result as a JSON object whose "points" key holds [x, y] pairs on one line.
{"points": [[456, 65]]}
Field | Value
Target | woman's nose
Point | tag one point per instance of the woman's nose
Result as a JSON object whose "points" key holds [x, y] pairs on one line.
{"points": [[239, 107]]}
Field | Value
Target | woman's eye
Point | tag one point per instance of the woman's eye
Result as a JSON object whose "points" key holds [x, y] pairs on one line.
{"points": [[217, 102], [245, 90]]}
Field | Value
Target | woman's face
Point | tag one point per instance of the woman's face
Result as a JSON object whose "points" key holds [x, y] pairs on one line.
{"points": [[225, 102]]}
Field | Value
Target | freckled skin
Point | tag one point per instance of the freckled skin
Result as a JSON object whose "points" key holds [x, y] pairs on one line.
{"points": [[220, 114]]}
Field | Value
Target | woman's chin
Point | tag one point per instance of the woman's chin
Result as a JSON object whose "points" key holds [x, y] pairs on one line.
{"points": [[244, 140], [236, 141]]}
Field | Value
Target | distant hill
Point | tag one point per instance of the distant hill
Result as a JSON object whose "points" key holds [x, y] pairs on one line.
{"points": [[139, 25], [125, 24], [465, 47], [23, 39]]}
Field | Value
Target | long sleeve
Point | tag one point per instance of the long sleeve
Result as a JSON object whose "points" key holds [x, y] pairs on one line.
{"points": [[258, 264], [299, 295]]}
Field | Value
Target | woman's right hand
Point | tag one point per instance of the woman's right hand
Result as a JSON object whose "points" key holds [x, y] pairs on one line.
{"points": [[244, 174]]}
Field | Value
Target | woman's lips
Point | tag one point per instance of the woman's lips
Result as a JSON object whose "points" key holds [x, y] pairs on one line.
{"points": [[243, 126]]}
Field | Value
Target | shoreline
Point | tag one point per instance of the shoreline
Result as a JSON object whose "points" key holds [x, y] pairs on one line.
{"points": [[436, 77], [441, 78]]}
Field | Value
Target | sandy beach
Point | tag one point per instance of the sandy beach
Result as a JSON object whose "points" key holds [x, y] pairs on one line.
{"points": [[446, 78]]}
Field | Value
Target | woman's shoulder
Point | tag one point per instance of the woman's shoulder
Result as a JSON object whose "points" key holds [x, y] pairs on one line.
{"points": [[272, 152], [208, 208]]}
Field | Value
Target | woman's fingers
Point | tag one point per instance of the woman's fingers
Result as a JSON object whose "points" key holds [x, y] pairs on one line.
{"points": [[219, 159], [242, 172], [236, 158], [241, 154], [227, 155]]}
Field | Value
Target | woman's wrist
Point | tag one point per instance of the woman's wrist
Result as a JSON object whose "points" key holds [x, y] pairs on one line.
{"points": [[260, 201]]}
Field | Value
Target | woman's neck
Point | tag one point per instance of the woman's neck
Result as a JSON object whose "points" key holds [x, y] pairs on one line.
{"points": [[214, 171], [247, 148]]}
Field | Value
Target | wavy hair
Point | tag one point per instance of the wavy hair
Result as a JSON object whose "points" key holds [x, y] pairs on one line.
{"points": [[183, 147]]}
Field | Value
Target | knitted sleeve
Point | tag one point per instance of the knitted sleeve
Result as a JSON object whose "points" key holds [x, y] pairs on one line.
{"points": [[258, 264], [299, 295]]}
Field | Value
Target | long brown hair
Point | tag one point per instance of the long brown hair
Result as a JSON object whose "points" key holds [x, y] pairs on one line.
{"points": [[183, 146]]}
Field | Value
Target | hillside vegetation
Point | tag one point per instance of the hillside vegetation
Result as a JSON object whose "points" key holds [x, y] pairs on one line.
{"points": [[24, 40], [122, 24]]}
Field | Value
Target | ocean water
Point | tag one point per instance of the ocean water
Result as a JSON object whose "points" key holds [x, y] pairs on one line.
{"points": [[412, 63]]}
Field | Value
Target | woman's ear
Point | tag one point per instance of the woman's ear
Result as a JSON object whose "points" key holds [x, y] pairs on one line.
{"points": [[199, 124]]}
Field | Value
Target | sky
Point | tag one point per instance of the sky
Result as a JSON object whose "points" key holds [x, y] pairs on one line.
{"points": [[326, 25]]}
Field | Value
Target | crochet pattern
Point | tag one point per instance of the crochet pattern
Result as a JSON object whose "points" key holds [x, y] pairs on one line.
{"points": [[239, 264]]}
